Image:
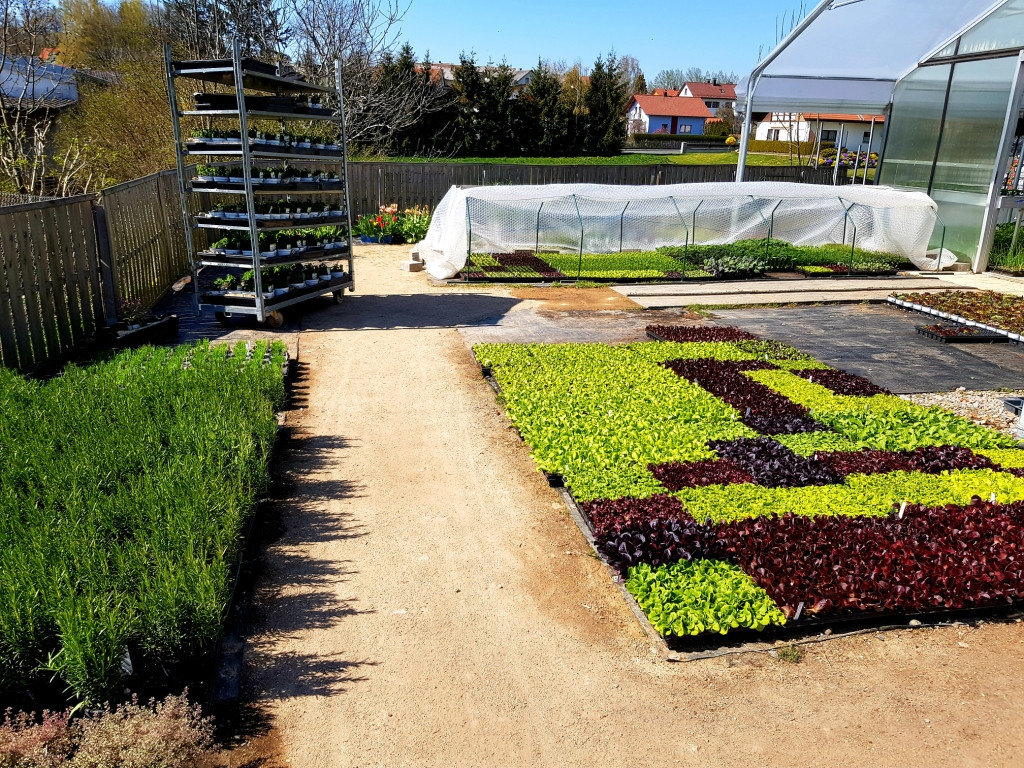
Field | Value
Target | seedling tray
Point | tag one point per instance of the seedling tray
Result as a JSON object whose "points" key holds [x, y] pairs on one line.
{"points": [[980, 337]]}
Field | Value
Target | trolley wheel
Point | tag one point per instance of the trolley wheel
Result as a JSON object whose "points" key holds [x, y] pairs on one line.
{"points": [[274, 319], [338, 296], [222, 318]]}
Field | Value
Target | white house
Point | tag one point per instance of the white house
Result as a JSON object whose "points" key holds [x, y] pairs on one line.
{"points": [[852, 131]]}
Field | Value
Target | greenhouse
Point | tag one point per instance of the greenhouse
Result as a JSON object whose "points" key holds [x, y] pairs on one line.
{"points": [[947, 75], [524, 221]]}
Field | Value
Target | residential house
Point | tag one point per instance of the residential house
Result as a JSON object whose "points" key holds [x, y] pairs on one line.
{"points": [[667, 112], [29, 85], [851, 131], [444, 73], [715, 95]]}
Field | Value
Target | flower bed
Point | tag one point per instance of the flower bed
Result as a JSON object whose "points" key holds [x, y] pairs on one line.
{"points": [[126, 487], [731, 480]]}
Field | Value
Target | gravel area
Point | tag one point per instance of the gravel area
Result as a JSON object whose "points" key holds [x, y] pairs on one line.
{"points": [[984, 408]]}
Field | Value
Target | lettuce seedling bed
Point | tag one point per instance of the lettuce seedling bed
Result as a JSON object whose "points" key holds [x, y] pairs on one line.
{"points": [[603, 419]]}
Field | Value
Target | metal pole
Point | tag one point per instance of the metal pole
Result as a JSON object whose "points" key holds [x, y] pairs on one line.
{"points": [[621, 223], [172, 95], [250, 202], [579, 268], [771, 231], [942, 243], [755, 76], [686, 242], [867, 160], [856, 163], [344, 170], [839, 152], [693, 221], [536, 249], [469, 237]]}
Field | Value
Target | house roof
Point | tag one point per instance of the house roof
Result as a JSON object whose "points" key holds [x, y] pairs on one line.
{"points": [[671, 106], [726, 91], [664, 92]]}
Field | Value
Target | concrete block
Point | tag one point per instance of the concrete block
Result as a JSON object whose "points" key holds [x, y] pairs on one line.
{"points": [[412, 266]]}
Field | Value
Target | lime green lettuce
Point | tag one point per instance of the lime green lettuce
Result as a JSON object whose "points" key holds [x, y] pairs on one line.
{"points": [[859, 495], [693, 597], [881, 421], [1007, 458], [598, 414]]}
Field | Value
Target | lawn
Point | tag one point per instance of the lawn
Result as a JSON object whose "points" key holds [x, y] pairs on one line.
{"points": [[124, 492], [736, 483], [695, 158]]}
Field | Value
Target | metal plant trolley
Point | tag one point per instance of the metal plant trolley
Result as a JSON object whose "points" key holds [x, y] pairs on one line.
{"points": [[291, 98]]}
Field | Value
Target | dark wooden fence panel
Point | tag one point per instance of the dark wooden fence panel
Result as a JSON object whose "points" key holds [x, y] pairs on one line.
{"points": [[147, 236], [380, 183], [50, 291]]}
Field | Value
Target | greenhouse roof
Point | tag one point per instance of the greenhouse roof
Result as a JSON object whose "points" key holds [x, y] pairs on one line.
{"points": [[847, 55]]}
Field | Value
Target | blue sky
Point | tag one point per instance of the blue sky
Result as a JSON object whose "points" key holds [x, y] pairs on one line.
{"points": [[710, 35]]}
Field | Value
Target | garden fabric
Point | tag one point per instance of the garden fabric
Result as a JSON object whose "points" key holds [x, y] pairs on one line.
{"points": [[598, 218]]}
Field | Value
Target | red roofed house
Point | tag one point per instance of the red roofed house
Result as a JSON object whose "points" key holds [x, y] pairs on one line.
{"points": [[666, 112], [715, 95], [852, 131]]}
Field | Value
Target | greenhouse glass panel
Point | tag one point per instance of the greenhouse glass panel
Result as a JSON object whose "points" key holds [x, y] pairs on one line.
{"points": [[1004, 28], [914, 128], [975, 113]]}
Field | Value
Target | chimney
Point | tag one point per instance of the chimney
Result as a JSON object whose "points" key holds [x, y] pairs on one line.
{"points": [[714, 81]]}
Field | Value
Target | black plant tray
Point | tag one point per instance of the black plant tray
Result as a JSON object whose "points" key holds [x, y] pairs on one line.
{"points": [[262, 186], [216, 147], [318, 221], [981, 337], [158, 330]]}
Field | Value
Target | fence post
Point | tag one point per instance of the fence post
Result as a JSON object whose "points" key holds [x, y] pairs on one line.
{"points": [[109, 286], [579, 268]]}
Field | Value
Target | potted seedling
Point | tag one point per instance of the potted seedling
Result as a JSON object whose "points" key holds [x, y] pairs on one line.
{"points": [[337, 271]]}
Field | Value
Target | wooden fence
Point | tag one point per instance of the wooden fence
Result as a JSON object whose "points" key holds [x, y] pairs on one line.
{"points": [[50, 286], [66, 263], [373, 184], [146, 236]]}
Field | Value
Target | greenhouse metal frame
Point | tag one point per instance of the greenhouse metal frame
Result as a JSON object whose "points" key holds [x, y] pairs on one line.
{"points": [[949, 77]]}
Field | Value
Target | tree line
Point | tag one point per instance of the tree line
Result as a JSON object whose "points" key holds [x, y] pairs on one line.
{"points": [[120, 127]]}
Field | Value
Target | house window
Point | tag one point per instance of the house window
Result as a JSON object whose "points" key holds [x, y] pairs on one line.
{"points": [[829, 135], [867, 137], [713, 104], [773, 134], [685, 128]]}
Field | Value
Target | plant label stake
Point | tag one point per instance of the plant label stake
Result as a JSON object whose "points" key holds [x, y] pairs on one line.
{"points": [[903, 508], [799, 612], [992, 498], [748, 412]]}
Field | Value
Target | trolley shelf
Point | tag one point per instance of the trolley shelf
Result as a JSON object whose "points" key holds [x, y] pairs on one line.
{"points": [[258, 151], [262, 188], [328, 197], [269, 225], [257, 113], [277, 303], [213, 259], [256, 75]]}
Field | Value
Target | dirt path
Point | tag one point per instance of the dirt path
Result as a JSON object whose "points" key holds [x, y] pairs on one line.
{"points": [[431, 603]]}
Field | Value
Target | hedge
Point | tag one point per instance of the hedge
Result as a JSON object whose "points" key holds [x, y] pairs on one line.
{"points": [[805, 147], [667, 138]]}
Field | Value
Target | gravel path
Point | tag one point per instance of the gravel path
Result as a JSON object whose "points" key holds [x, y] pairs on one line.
{"points": [[984, 408], [430, 603]]}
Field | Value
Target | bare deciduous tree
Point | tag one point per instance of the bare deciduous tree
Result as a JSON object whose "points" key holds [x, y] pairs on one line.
{"points": [[360, 34], [31, 93]]}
